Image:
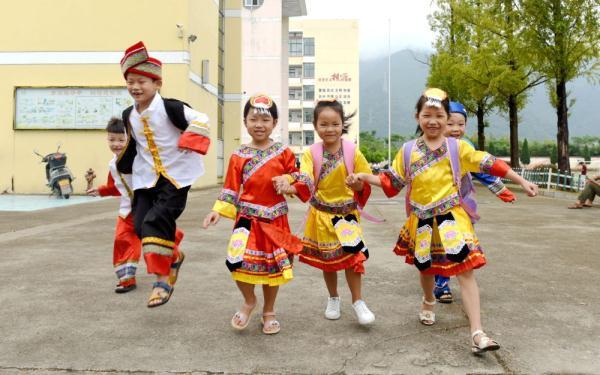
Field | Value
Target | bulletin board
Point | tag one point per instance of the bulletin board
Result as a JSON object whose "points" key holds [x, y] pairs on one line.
{"points": [[68, 107]]}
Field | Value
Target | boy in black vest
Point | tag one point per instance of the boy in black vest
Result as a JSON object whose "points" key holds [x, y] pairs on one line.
{"points": [[166, 139]]}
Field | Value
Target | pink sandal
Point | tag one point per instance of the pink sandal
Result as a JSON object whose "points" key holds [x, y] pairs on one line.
{"points": [[244, 318], [270, 327]]}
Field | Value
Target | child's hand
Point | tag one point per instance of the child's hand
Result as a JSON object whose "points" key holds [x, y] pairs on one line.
{"points": [[281, 184], [93, 192], [354, 182], [530, 188], [211, 219]]}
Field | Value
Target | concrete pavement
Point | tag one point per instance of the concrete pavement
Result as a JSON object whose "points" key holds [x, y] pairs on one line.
{"points": [[539, 295]]}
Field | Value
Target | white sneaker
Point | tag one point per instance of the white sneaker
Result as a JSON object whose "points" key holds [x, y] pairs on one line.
{"points": [[364, 315], [333, 308]]}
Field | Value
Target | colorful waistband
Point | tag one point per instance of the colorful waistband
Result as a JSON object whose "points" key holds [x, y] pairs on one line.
{"points": [[334, 208]]}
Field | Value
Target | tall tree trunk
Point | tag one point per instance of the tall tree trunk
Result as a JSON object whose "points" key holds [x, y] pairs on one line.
{"points": [[513, 113], [480, 128], [562, 137]]}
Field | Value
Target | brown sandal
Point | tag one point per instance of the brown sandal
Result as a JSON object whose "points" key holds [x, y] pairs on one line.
{"points": [[575, 206], [158, 298]]}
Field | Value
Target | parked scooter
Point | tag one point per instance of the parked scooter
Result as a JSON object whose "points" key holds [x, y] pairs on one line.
{"points": [[59, 177]]}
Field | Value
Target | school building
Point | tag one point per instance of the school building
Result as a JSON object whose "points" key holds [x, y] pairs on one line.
{"points": [[323, 64], [61, 79]]}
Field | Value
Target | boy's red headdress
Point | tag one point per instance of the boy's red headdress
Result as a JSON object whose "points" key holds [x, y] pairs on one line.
{"points": [[137, 60]]}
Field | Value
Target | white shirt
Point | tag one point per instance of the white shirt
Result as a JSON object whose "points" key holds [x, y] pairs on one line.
{"points": [[123, 184], [157, 147]]}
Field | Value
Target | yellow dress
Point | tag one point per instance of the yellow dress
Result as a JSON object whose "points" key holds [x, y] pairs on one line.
{"points": [[333, 238], [438, 236]]}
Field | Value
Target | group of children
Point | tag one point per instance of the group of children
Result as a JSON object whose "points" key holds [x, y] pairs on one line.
{"points": [[158, 141]]}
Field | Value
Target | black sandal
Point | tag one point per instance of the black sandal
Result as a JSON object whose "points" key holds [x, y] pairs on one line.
{"points": [[120, 289]]}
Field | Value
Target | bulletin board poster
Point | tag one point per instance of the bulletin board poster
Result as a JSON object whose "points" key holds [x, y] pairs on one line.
{"points": [[68, 107]]}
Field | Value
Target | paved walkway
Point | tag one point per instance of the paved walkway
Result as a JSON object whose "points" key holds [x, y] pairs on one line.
{"points": [[59, 314]]}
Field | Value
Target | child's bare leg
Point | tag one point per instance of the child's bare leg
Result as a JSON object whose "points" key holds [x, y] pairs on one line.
{"points": [[331, 283], [249, 301], [270, 294], [470, 296], [427, 283], [354, 280]]}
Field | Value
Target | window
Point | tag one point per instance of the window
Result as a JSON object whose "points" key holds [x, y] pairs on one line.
{"points": [[295, 93], [309, 46], [308, 115], [295, 44], [309, 137], [295, 115], [309, 92], [309, 70], [295, 138], [295, 71], [253, 3]]}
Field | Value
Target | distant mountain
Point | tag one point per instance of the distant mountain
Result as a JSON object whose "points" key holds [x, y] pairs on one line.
{"points": [[537, 121]]}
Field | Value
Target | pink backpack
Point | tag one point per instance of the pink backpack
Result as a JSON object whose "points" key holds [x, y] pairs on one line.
{"points": [[348, 151], [466, 190]]}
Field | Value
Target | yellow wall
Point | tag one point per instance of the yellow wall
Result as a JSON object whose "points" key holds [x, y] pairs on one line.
{"points": [[106, 26]]}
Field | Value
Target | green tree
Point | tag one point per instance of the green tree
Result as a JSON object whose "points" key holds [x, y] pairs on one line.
{"points": [[563, 35], [509, 63], [525, 156], [459, 63], [587, 156]]}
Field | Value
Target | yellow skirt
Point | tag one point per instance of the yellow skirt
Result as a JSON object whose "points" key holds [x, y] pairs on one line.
{"points": [[449, 247], [323, 248]]}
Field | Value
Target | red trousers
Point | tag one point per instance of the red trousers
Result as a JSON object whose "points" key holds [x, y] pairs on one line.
{"points": [[160, 263], [127, 251]]}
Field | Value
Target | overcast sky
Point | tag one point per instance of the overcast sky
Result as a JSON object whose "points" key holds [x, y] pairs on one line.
{"points": [[409, 24]]}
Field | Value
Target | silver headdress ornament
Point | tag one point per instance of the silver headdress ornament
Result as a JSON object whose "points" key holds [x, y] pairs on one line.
{"points": [[261, 105], [435, 97]]}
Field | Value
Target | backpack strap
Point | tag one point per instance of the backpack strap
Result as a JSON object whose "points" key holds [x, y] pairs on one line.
{"points": [[349, 151], [464, 185], [452, 144], [176, 112], [316, 151], [126, 157], [407, 149]]}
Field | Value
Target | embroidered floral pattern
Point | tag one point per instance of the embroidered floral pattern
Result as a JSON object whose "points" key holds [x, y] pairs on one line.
{"points": [[435, 208], [323, 254], [496, 186], [487, 163], [257, 210], [341, 208], [330, 162], [428, 159], [397, 181], [228, 196], [305, 179], [257, 157]]}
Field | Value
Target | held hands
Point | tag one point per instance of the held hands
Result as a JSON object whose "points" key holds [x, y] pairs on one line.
{"points": [[282, 185], [354, 182], [211, 219]]}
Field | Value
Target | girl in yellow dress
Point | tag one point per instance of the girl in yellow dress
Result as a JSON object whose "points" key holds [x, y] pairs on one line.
{"points": [[333, 238], [438, 237]]}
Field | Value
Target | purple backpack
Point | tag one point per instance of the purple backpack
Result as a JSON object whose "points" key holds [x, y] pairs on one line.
{"points": [[466, 190]]}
